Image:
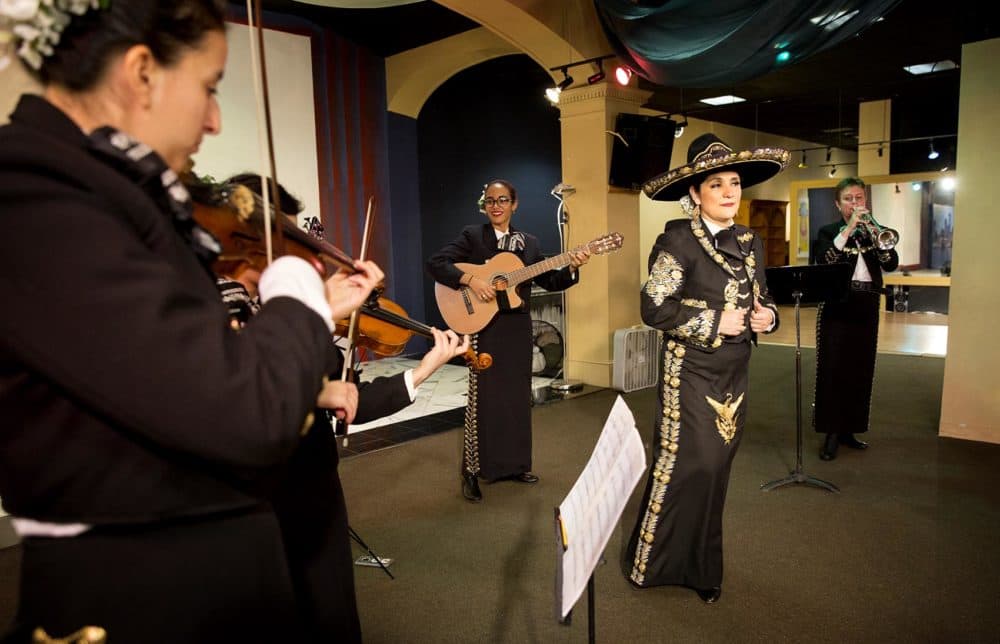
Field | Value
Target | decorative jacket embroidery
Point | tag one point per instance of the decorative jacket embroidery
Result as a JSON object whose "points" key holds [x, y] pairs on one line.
{"points": [[665, 279], [726, 415]]}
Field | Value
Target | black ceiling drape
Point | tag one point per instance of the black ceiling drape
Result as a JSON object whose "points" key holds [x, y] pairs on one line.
{"points": [[702, 43]]}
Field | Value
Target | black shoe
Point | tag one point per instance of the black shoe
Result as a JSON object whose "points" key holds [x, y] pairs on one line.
{"points": [[710, 595], [526, 477], [852, 442], [470, 488], [829, 450]]}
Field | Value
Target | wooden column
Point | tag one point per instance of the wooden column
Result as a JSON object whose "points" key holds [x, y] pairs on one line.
{"points": [[874, 124], [608, 296], [970, 402]]}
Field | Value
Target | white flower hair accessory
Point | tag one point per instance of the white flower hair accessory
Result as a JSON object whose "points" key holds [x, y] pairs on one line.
{"points": [[38, 25], [482, 199]]}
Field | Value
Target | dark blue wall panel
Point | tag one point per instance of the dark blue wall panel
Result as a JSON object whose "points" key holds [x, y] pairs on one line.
{"points": [[489, 121]]}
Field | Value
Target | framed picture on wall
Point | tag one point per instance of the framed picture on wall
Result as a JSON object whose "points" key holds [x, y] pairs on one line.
{"points": [[942, 227], [802, 235]]}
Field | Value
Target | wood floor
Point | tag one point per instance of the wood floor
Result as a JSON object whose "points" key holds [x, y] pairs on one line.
{"points": [[923, 334]]}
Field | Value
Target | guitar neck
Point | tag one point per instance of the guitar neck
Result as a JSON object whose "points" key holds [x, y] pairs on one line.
{"points": [[528, 272]]}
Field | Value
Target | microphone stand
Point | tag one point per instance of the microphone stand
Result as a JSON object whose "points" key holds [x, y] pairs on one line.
{"points": [[562, 385]]}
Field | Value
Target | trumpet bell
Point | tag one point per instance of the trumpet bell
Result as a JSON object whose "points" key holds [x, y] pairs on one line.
{"points": [[883, 238], [886, 239]]}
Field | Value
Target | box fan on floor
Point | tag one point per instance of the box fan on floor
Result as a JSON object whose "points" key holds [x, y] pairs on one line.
{"points": [[636, 358]]}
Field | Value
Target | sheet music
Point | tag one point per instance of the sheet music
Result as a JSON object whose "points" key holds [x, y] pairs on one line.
{"points": [[591, 510]]}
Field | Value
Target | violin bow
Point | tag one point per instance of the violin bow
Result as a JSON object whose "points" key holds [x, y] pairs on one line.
{"points": [[352, 327], [264, 130], [265, 135]]}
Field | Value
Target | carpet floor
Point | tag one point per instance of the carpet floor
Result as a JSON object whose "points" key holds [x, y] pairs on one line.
{"points": [[907, 552]]}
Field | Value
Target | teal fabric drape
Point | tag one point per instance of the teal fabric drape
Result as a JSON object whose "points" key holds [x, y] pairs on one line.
{"points": [[689, 43]]}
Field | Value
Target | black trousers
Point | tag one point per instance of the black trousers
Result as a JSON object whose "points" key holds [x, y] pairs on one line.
{"points": [[221, 579], [846, 345]]}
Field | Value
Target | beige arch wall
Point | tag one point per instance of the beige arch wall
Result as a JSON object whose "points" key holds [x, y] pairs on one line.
{"points": [[413, 75], [551, 35]]}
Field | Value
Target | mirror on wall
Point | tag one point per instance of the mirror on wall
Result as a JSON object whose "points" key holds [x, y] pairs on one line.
{"points": [[920, 207]]}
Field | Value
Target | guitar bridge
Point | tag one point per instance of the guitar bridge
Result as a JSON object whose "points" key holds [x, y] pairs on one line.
{"points": [[467, 300]]}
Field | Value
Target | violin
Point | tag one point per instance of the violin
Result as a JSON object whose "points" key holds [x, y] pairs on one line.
{"points": [[233, 214], [384, 329]]}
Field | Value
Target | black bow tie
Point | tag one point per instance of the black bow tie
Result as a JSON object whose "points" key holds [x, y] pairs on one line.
{"points": [[725, 241]]}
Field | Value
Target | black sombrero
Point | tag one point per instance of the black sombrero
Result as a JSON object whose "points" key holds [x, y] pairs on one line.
{"points": [[708, 154]]}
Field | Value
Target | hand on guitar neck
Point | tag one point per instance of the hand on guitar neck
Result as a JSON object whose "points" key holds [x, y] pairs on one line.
{"points": [[470, 308]]}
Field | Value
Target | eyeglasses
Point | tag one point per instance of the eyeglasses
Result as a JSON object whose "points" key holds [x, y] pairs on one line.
{"points": [[490, 201]]}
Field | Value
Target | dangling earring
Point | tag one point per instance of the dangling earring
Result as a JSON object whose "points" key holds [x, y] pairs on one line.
{"points": [[689, 207]]}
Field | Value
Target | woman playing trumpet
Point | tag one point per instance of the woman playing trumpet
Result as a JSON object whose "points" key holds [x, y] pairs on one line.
{"points": [[847, 332]]}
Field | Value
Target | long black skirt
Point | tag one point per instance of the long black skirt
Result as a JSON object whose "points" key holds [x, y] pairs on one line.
{"points": [[846, 345], [498, 413], [678, 536], [309, 503]]}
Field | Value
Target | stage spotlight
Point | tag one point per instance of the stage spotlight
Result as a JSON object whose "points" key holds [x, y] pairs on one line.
{"points": [[932, 153], [599, 76], [679, 128], [948, 183], [623, 75], [880, 150], [829, 153], [833, 171], [915, 186], [553, 93], [802, 164], [897, 189]]}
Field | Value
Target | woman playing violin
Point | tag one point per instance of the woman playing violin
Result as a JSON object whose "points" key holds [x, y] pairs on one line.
{"points": [[307, 495], [238, 283], [497, 442], [244, 274], [133, 414]]}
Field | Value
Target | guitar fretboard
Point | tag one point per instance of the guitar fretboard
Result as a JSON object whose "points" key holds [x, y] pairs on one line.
{"points": [[519, 275]]}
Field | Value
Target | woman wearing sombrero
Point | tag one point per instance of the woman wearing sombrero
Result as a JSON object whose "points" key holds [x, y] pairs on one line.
{"points": [[706, 291]]}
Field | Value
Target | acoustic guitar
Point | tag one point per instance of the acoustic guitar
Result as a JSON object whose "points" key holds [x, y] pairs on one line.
{"points": [[465, 313]]}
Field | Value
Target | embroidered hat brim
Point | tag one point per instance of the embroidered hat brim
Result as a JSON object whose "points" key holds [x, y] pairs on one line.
{"points": [[754, 166]]}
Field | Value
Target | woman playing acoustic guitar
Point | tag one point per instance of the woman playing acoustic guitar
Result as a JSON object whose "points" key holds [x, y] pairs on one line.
{"points": [[497, 441]]}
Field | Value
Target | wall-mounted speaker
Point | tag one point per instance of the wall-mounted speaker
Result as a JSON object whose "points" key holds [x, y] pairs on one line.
{"points": [[641, 150]]}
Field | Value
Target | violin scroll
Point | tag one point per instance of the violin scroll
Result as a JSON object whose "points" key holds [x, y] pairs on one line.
{"points": [[477, 361]]}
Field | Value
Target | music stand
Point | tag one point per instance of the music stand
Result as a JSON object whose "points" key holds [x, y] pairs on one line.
{"points": [[379, 561], [798, 285]]}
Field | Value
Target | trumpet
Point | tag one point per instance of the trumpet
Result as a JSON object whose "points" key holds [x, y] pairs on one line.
{"points": [[883, 237]]}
